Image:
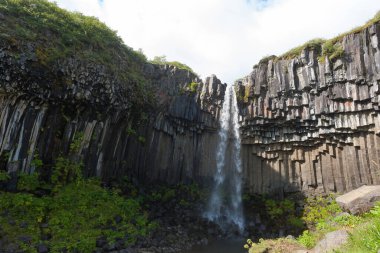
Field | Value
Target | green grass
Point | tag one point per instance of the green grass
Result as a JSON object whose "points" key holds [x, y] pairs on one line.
{"points": [[320, 215], [324, 48], [314, 44], [161, 60], [57, 35], [365, 238], [61, 33]]}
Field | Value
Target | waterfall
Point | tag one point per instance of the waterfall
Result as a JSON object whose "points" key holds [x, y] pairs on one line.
{"points": [[225, 203]]}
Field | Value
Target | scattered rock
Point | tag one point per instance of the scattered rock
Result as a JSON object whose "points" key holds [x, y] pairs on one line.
{"points": [[331, 241], [359, 200], [290, 237], [42, 248], [25, 239]]}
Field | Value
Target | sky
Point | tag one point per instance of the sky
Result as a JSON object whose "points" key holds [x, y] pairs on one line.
{"points": [[224, 37]]}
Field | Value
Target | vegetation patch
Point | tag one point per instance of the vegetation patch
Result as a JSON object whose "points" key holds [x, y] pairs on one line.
{"points": [[314, 44], [281, 245], [73, 218], [319, 216], [62, 33], [161, 60], [365, 235], [51, 36], [331, 48], [68, 213]]}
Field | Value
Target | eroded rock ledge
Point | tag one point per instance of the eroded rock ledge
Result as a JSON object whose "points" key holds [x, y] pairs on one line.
{"points": [[309, 124]]}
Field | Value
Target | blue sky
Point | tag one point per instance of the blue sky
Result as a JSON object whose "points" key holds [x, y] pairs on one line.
{"points": [[224, 37]]}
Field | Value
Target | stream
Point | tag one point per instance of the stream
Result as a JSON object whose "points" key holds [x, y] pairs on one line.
{"points": [[225, 246]]}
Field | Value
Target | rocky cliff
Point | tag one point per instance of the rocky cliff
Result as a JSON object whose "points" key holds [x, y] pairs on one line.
{"points": [[310, 122], [43, 111], [68, 79]]}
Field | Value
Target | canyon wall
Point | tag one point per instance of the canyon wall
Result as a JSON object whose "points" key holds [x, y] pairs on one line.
{"points": [[44, 111], [313, 124], [306, 123]]}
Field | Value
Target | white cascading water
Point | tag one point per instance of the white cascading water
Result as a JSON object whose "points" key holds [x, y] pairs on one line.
{"points": [[225, 203]]}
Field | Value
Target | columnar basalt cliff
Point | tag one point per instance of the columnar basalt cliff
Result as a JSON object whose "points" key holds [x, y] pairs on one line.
{"points": [[310, 123], [307, 122], [43, 109]]}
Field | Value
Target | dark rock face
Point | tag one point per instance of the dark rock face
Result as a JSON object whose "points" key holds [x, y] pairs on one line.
{"points": [[42, 111], [309, 125]]}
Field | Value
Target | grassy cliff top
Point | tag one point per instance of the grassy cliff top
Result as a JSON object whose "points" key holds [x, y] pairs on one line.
{"points": [[58, 34], [321, 46]]}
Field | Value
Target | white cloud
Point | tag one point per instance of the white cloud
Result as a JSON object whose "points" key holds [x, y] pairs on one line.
{"points": [[224, 37]]}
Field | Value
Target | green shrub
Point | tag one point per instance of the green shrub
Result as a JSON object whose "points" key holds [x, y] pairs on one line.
{"points": [[307, 239], [279, 209], [141, 139], [161, 60], [320, 209], [331, 50], [295, 221], [28, 182], [347, 220], [193, 87], [65, 171], [83, 211], [76, 143], [131, 131], [4, 176], [23, 214], [66, 168], [36, 162], [75, 216]]}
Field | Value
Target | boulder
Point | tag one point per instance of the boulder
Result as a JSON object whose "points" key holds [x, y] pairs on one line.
{"points": [[359, 200], [331, 241]]}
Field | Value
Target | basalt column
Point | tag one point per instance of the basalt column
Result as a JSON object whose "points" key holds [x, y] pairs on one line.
{"points": [[313, 124]]}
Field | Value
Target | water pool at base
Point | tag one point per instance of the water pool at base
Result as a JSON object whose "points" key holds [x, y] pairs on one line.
{"points": [[225, 246]]}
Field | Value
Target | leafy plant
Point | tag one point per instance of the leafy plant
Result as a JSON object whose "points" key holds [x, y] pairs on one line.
{"points": [[4, 176], [74, 217], [22, 215], [331, 50], [82, 212], [141, 139], [283, 213], [365, 236], [307, 239], [193, 87], [36, 162], [67, 169], [320, 209], [348, 220], [28, 182], [131, 131], [76, 144]]}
